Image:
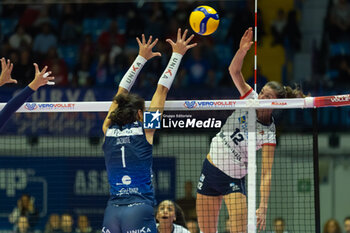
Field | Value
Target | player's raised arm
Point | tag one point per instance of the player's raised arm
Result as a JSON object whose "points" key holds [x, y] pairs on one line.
{"points": [[41, 78], [235, 67], [179, 48], [128, 80], [6, 69]]}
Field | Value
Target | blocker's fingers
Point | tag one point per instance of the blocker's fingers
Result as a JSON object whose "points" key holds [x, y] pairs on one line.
{"points": [[46, 74], [138, 41], [184, 35], [149, 40], [43, 70], [154, 43], [36, 68], [179, 34], [189, 39], [50, 83]]}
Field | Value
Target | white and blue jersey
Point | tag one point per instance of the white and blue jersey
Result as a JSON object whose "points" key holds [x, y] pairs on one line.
{"points": [[128, 159]]}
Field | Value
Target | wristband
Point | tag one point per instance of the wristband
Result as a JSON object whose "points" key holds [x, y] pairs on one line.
{"points": [[130, 76], [169, 74]]}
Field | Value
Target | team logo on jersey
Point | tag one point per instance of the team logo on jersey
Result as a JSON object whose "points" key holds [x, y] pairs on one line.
{"points": [[31, 106], [242, 119], [126, 180], [234, 187], [151, 120], [190, 104]]}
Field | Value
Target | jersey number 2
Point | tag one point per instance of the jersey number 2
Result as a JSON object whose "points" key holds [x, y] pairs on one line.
{"points": [[237, 136], [123, 155]]}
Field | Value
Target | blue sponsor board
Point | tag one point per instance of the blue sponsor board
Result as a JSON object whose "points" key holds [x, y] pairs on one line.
{"points": [[77, 185]]}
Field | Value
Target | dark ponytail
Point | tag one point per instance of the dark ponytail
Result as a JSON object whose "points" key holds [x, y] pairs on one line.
{"points": [[285, 91], [128, 107]]}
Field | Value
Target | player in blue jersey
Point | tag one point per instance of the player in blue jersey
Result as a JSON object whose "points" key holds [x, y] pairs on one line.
{"points": [[41, 79], [128, 146]]}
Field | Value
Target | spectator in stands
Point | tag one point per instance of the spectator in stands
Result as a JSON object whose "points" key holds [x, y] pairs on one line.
{"points": [[20, 39], [344, 72], [87, 47], [22, 225], [192, 226], [197, 69], [170, 218], [44, 41], [43, 17], [53, 225], [135, 24], [347, 224], [339, 22], [277, 27], [292, 34], [83, 225], [244, 18], [58, 67], [155, 20], [67, 223], [181, 12], [82, 73], [188, 202], [29, 16], [111, 38], [25, 207], [279, 225], [24, 68], [100, 71], [331, 226], [70, 32]]}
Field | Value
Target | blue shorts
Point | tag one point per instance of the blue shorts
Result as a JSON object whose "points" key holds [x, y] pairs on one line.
{"points": [[137, 217], [214, 182]]}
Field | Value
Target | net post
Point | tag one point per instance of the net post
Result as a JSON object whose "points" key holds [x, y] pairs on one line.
{"points": [[316, 170], [251, 171]]}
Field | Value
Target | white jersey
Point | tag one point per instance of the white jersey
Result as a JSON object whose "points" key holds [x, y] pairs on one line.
{"points": [[229, 148], [178, 229]]}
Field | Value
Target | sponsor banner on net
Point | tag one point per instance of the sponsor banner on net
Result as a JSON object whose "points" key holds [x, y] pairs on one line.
{"points": [[209, 104], [45, 106]]}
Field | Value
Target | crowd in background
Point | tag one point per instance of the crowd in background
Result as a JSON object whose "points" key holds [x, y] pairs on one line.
{"points": [[92, 45]]}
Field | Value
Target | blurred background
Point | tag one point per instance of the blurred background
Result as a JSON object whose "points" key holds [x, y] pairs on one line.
{"points": [[89, 45]]}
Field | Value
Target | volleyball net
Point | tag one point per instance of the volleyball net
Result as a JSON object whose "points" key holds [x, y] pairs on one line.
{"points": [[53, 152]]}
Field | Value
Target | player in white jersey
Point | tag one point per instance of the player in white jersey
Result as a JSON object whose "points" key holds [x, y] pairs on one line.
{"points": [[225, 168]]}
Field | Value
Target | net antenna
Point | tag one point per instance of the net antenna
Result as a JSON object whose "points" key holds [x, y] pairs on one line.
{"points": [[252, 167]]}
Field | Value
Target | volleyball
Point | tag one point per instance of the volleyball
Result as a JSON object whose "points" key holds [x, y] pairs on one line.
{"points": [[204, 20]]}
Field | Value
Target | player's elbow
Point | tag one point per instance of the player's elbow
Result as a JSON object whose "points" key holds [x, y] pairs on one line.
{"points": [[234, 71]]}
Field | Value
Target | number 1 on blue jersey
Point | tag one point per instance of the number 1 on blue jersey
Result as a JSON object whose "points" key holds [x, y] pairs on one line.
{"points": [[123, 155]]}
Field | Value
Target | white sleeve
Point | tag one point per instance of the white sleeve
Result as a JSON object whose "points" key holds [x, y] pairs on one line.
{"points": [[251, 94], [270, 137]]}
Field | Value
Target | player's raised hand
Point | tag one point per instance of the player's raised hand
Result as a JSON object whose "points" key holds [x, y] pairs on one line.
{"points": [[247, 40], [6, 69], [182, 44], [41, 78], [145, 48], [261, 218]]}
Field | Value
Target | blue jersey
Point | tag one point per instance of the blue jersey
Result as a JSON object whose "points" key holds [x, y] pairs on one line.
{"points": [[128, 158]]}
